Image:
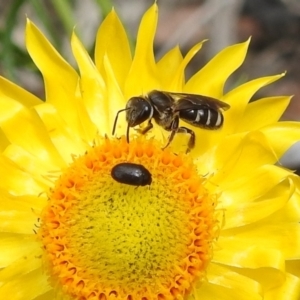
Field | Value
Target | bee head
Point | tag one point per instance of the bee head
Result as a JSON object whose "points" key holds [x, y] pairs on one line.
{"points": [[138, 110]]}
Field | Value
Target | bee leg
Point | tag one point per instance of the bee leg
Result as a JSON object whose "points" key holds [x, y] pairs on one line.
{"points": [[147, 128], [191, 143], [174, 129]]}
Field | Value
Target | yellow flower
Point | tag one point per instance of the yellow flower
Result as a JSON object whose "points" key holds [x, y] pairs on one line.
{"points": [[221, 222]]}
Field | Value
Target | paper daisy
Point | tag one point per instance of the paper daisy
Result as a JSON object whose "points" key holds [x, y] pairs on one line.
{"points": [[220, 222]]}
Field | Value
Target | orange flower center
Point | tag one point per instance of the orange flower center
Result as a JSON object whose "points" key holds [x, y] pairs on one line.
{"points": [[105, 238]]}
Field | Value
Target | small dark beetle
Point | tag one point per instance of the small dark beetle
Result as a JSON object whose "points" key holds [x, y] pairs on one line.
{"points": [[132, 174]]}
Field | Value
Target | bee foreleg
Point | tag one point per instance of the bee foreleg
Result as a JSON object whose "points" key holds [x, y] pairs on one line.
{"points": [[147, 128]]}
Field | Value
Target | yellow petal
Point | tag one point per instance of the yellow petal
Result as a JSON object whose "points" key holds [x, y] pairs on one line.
{"points": [[281, 239], [18, 181], [50, 295], [293, 267], [263, 112], [9, 90], [268, 278], [232, 156], [167, 67], [241, 213], [27, 286], [22, 265], [290, 290], [16, 221], [59, 77], [92, 87], [223, 283], [15, 246], [210, 80], [27, 161], [251, 256], [289, 133], [143, 73], [179, 77], [291, 211], [238, 99], [210, 291], [60, 134], [114, 99], [24, 203], [4, 142], [31, 136], [19, 214], [257, 182], [112, 41]]}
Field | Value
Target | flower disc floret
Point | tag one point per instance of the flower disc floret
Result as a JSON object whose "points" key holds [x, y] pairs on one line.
{"points": [[104, 238]]}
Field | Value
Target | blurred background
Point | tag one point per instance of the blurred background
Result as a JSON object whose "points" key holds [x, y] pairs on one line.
{"points": [[273, 24]]}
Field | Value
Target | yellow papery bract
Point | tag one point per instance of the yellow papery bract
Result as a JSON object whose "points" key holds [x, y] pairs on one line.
{"points": [[22, 265], [32, 136], [92, 89], [238, 99], [112, 41], [10, 91], [178, 81], [268, 277], [60, 78], [223, 276], [291, 210], [60, 133], [288, 132], [15, 246], [142, 77], [253, 257], [232, 155], [4, 142], [36, 203], [114, 97], [24, 287], [257, 182], [210, 291], [293, 267], [168, 65], [210, 80], [17, 181], [289, 290], [16, 221], [239, 214], [283, 238], [263, 112]]}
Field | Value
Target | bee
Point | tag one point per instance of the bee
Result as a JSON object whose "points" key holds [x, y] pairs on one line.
{"points": [[132, 174], [167, 109]]}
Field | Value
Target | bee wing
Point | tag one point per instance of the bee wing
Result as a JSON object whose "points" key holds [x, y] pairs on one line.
{"points": [[188, 101]]}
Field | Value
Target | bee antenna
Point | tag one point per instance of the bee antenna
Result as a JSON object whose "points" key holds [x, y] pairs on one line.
{"points": [[116, 120]]}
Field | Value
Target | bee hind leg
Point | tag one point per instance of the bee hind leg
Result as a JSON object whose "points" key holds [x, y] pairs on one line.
{"points": [[192, 140]]}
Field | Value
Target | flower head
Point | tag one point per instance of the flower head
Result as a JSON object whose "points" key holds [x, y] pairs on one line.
{"points": [[219, 222]]}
